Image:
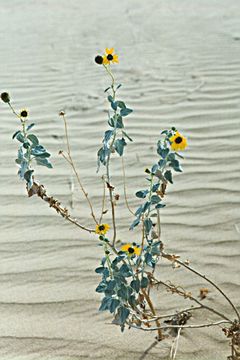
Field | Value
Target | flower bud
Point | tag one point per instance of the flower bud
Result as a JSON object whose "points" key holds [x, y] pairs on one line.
{"points": [[5, 97], [99, 59]]}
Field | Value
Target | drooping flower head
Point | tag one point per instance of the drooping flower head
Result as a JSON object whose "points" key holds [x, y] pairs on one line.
{"points": [[110, 57], [131, 249], [99, 59], [178, 142], [101, 229]]}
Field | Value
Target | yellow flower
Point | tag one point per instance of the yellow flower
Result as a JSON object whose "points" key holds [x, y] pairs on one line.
{"points": [[178, 142], [24, 113], [110, 57], [131, 249], [102, 229]]}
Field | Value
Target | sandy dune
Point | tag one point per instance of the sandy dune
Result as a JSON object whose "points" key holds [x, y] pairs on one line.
{"points": [[179, 63]]}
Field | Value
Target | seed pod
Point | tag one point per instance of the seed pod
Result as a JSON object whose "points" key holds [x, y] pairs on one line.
{"points": [[5, 97]]}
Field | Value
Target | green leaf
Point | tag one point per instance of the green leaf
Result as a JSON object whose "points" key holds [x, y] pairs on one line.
{"points": [[168, 176], [163, 152], [105, 304], [148, 259], [125, 112], [20, 137], [44, 162], [114, 105], [142, 194], [125, 134], [138, 211], [135, 284], [176, 165], [159, 206], [119, 146], [146, 206], [155, 187], [100, 270], [144, 282], [111, 122], [110, 98], [123, 314], [113, 305], [155, 199], [119, 122], [162, 163], [148, 225], [134, 224], [121, 105], [123, 292], [15, 134], [33, 138], [30, 126], [126, 270], [28, 175], [132, 301], [101, 287], [107, 136]]}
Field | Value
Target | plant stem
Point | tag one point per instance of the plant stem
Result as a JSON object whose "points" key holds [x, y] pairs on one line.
{"points": [[125, 189], [71, 162], [150, 304], [194, 326], [174, 289], [107, 68], [208, 280], [39, 190]]}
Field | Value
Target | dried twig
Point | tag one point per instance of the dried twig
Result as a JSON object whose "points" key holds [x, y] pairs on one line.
{"points": [[40, 191], [168, 256]]}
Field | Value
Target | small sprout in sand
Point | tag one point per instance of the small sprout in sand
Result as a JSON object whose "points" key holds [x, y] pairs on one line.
{"points": [[102, 229], [178, 142], [131, 249]]}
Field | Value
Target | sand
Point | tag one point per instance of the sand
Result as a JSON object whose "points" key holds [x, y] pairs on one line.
{"points": [[179, 65]]}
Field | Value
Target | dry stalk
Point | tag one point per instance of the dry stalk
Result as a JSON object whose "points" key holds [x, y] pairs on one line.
{"points": [[173, 258], [40, 191]]}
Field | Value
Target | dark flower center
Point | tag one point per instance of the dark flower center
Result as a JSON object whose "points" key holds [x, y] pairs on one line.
{"points": [[109, 57], [99, 59], [101, 227], [130, 250], [178, 140], [24, 113]]}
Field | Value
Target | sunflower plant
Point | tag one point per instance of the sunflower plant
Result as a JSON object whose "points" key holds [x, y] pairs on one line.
{"points": [[127, 269]]}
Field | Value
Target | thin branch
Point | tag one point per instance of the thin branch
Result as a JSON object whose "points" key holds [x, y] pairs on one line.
{"points": [[174, 348], [103, 200], [71, 162], [205, 278], [125, 188], [176, 313], [150, 304], [158, 224], [189, 296], [194, 326], [40, 191]]}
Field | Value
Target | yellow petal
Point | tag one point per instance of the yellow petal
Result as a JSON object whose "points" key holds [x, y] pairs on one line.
{"points": [[115, 59], [105, 60], [109, 51], [137, 250], [125, 247]]}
